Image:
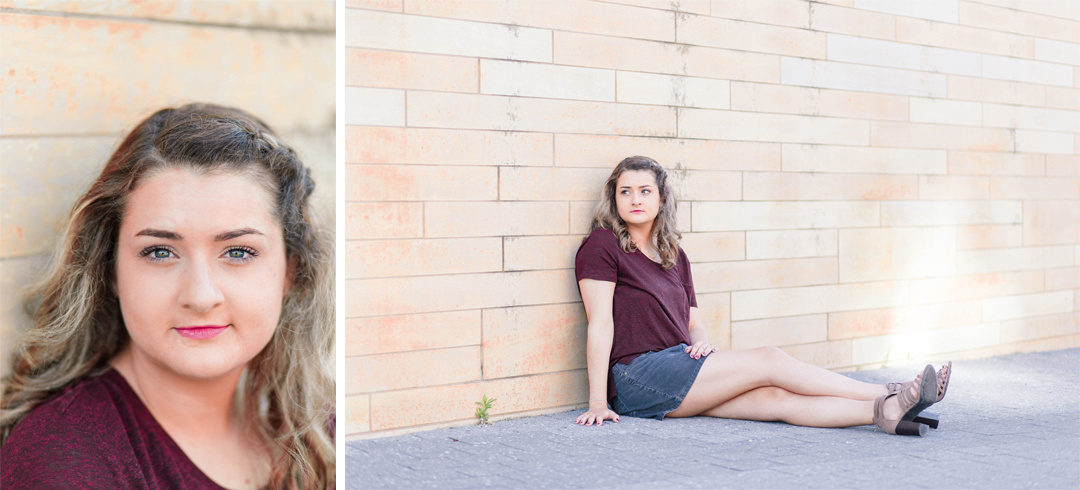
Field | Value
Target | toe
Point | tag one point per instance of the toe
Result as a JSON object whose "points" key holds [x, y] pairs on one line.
{"points": [[943, 379]]}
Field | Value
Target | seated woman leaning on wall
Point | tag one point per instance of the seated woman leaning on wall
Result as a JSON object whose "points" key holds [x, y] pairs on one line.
{"points": [[182, 336], [649, 356]]}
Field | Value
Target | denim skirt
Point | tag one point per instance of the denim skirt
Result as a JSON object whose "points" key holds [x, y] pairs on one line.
{"points": [[654, 383]]}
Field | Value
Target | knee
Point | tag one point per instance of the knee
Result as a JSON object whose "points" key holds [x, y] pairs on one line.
{"points": [[772, 394], [773, 402]]}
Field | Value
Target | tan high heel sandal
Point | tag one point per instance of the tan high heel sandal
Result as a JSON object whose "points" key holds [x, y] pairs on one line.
{"points": [[911, 406], [931, 419]]}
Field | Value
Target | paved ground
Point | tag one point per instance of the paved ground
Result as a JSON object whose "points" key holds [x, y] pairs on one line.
{"points": [[1007, 422]]}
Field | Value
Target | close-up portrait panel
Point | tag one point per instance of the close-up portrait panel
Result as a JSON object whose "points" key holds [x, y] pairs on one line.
{"points": [[167, 244]]}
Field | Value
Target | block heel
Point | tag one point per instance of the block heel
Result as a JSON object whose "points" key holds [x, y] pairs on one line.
{"points": [[930, 419], [911, 428]]}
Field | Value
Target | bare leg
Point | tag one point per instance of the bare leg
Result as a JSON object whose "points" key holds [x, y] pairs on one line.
{"points": [[728, 374], [772, 404]]}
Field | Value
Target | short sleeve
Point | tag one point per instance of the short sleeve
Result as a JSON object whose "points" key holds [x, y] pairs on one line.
{"points": [[687, 278], [598, 258]]}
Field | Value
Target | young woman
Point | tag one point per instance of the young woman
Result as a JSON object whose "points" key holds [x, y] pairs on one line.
{"points": [[648, 354], [182, 337]]}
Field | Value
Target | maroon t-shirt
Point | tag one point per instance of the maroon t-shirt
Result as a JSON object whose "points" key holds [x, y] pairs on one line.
{"points": [[96, 434], [651, 307]]}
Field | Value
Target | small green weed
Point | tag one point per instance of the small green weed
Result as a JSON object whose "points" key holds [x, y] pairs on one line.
{"points": [[482, 409]]}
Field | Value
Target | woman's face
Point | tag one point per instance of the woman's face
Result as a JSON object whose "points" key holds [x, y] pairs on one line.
{"points": [[200, 272], [637, 197]]}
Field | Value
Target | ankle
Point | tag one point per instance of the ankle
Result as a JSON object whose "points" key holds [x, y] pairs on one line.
{"points": [[891, 408]]}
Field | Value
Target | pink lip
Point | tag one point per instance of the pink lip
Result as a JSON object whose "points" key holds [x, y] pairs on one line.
{"points": [[201, 332], [637, 211]]}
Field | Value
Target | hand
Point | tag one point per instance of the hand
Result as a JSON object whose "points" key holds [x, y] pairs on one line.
{"points": [[700, 348], [598, 414]]}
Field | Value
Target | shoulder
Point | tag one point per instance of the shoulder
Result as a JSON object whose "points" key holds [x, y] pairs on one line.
{"points": [[78, 408], [602, 239], [600, 242], [598, 257], [602, 235], [683, 261], [74, 435]]}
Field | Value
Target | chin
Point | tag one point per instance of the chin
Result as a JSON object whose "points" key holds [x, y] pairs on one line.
{"points": [[207, 367], [638, 220]]}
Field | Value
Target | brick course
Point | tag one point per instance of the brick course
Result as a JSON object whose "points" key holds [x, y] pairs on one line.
{"points": [[862, 182]]}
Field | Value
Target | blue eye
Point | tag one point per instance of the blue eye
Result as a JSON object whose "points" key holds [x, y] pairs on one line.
{"points": [[157, 253], [240, 254]]}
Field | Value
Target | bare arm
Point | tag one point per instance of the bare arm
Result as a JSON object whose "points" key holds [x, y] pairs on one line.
{"points": [[597, 296], [699, 340]]}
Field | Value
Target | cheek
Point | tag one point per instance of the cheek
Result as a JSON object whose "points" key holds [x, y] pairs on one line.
{"points": [[654, 200], [258, 296], [144, 296]]}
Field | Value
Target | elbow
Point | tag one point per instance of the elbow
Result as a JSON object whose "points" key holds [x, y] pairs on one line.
{"points": [[601, 329], [601, 325]]}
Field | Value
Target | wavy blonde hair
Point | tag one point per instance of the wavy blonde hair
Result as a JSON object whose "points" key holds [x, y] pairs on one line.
{"points": [[287, 390], [606, 213]]}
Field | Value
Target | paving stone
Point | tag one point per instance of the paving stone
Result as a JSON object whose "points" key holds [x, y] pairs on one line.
{"points": [[1008, 422]]}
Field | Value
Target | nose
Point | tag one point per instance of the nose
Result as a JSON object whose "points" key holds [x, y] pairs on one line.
{"points": [[635, 198], [200, 289]]}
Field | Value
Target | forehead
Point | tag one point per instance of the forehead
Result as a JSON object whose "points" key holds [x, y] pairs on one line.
{"points": [[636, 178], [181, 199]]}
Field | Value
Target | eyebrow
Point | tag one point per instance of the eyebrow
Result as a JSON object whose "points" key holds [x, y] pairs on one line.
{"points": [[229, 235], [639, 187], [169, 235]]}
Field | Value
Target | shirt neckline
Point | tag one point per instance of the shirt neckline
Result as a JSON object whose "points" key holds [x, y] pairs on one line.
{"points": [[140, 406], [637, 250]]}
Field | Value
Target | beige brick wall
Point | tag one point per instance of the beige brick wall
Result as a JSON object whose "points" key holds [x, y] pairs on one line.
{"points": [[864, 182], [75, 76]]}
